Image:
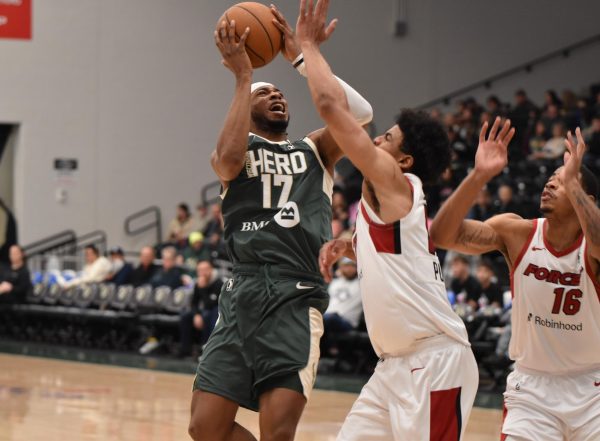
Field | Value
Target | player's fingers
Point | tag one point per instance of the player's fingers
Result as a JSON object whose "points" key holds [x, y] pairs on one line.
{"points": [[508, 138], [310, 8], [231, 31], [504, 130], [569, 142], [302, 12], [284, 29], [580, 140], [483, 132], [329, 30], [321, 8], [494, 129], [244, 36]]}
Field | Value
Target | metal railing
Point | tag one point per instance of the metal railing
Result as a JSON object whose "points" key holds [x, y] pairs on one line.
{"points": [[62, 243], [154, 222], [96, 238], [207, 199], [528, 67]]}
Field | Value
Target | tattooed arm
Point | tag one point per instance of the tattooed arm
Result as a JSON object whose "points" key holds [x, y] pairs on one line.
{"points": [[449, 228], [584, 204]]}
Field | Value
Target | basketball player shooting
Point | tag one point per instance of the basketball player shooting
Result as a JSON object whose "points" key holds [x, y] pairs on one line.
{"points": [[424, 386], [554, 392], [264, 350]]}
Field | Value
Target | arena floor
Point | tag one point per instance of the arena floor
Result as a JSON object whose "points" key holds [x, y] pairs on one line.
{"points": [[70, 401]]}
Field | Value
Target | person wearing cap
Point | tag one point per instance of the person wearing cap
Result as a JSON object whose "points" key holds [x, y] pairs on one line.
{"points": [[345, 304], [276, 207], [121, 271], [195, 252]]}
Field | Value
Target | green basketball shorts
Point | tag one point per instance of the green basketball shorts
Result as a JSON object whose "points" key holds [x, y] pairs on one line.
{"points": [[267, 335]]}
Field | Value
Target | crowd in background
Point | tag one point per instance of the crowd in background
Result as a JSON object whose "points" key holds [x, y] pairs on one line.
{"points": [[477, 286]]}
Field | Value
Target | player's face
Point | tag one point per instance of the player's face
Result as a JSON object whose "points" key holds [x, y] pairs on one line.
{"points": [[554, 197], [269, 106], [390, 141]]}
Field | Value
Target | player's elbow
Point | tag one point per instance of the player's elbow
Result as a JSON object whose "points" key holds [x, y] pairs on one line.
{"points": [[438, 236], [227, 166], [327, 105]]}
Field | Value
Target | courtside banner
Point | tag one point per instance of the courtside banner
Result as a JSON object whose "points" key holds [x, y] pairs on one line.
{"points": [[15, 19]]}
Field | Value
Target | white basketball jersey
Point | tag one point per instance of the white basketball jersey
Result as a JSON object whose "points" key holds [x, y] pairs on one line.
{"points": [[401, 282], [556, 308]]}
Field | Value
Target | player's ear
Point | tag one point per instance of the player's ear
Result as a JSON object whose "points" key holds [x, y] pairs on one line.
{"points": [[406, 162]]}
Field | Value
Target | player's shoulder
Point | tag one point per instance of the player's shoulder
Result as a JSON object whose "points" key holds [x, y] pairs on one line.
{"points": [[511, 224]]}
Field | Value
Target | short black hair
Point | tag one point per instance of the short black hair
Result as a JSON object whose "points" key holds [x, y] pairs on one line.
{"points": [[461, 258], [589, 182], [486, 263], [427, 142], [183, 206]]}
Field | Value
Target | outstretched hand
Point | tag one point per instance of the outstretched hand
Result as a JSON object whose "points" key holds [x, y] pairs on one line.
{"points": [[330, 253], [573, 157], [492, 152], [291, 45], [235, 57], [311, 25]]}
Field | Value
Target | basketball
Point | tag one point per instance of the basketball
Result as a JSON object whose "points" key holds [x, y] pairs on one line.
{"points": [[264, 40]]}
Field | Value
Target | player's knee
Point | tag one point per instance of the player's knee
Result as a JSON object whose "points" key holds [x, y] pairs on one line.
{"points": [[282, 432], [200, 429]]}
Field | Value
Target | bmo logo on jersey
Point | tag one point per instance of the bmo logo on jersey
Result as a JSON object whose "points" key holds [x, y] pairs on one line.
{"points": [[254, 226], [288, 216]]}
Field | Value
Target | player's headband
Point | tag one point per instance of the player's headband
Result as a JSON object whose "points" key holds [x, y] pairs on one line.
{"points": [[259, 85]]}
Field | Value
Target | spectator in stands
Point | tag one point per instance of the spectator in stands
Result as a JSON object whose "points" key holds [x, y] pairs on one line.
{"points": [[506, 202], [569, 110], [195, 252], [551, 99], [202, 217], [340, 208], [592, 158], [597, 105], [465, 287], [215, 224], [204, 307], [15, 281], [494, 107], [121, 271], [144, 272], [169, 274], [96, 269], [484, 207], [490, 291], [520, 115], [8, 232], [538, 141], [345, 305], [181, 227], [555, 146], [551, 117]]}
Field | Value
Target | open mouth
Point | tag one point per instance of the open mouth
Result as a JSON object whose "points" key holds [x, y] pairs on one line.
{"points": [[277, 108]]}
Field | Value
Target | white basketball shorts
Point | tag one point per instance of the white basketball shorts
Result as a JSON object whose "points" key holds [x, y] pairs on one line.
{"points": [[426, 395]]}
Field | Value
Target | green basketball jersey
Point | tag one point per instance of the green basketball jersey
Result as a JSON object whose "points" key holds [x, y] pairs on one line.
{"points": [[278, 210]]}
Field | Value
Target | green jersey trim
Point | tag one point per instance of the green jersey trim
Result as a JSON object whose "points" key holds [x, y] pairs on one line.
{"points": [[327, 178]]}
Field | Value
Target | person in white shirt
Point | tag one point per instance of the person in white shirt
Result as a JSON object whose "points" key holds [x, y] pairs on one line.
{"points": [[345, 305], [96, 269]]}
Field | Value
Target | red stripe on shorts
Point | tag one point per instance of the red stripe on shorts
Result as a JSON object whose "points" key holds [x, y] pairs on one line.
{"points": [[445, 415]]}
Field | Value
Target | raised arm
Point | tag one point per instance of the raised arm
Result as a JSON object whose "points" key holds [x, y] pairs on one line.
{"points": [[584, 205], [331, 103], [228, 158], [450, 229], [358, 106]]}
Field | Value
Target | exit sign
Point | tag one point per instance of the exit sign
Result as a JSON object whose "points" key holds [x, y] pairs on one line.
{"points": [[15, 19]]}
